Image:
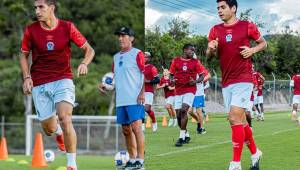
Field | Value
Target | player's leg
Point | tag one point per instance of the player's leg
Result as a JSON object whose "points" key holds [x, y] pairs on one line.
{"points": [[261, 104], [64, 110], [136, 113], [187, 102], [171, 116], [123, 119], [148, 103], [201, 129], [50, 127], [296, 100], [46, 113], [178, 105]]}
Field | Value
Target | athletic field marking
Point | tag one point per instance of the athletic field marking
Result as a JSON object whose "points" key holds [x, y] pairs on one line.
{"points": [[219, 143]]}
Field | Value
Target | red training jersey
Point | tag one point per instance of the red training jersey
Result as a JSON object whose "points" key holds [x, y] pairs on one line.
{"points": [[235, 68], [168, 92], [183, 70], [51, 50], [296, 79], [150, 72]]}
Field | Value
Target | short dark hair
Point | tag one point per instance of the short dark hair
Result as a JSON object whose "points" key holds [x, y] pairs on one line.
{"points": [[50, 2], [230, 3], [191, 46]]}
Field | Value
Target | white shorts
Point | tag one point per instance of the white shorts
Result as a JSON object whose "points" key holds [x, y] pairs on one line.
{"points": [[260, 100], [296, 99], [170, 100], [46, 96], [237, 95], [186, 98], [249, 109], [255, 97], [149, 98]]}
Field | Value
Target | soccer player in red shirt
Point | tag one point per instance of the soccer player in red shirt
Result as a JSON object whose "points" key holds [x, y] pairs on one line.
{"points": [[259, 101], [231, 41], [169, 96], [185, 70], [49, 79], [295, 82], [151, 79]]}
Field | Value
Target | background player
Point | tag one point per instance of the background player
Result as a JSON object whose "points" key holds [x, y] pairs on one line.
{"points": [[49, 78], [169, 96], [295, 83], [231, 41], [184, 71], [151, 79]]}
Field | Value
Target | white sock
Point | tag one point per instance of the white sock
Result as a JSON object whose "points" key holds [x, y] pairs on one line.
{"points": [[187, 134], [256, 112], [140, 160], [294, 112], [58, 130], [132, 160], [182, 134], [71, 160]]}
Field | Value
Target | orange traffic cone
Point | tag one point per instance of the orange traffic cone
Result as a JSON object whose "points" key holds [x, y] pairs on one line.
{"points": [[3, 149], [164, 121], [38, 159], [148, 123], [194, 120]]}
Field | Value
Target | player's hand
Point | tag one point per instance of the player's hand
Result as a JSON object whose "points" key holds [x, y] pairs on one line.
{"points": [[247, 51], [192, 81], [213, 45], [82, 69], [102, 89], [141, 98], [27, 86]]}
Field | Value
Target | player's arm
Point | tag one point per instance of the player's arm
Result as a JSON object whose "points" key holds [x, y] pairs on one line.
{"points": [[212, 45], [160, 85], [171, 87], [140, 60], [27, 84], [25, 51], [89, 54], [254, 34]]}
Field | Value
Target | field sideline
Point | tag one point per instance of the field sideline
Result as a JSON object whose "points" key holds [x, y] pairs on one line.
{"points": [[277, 137]]}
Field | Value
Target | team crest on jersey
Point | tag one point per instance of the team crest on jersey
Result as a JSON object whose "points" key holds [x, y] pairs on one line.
{"points": [[50, 46], [228, 37], [184, 68]]}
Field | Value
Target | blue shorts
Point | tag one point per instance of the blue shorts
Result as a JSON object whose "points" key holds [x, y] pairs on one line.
{"points": [[46, 96], [128, 114], [199, 101]]}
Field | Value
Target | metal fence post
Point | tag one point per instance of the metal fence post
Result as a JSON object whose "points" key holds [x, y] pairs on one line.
{"points": [[274, 89], [290, 89], [88, 135]]}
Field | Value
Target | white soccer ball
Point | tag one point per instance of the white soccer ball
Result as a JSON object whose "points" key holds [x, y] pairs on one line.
{"points": [[121, 158], [108, 81], [49, 155]]}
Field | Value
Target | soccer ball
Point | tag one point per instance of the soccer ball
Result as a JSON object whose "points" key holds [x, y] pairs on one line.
{"points": [[49, 155], [121, 158], [108, 81]]}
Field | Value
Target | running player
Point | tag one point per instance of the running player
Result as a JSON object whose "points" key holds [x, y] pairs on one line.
{"points": [[295, 83], [128, 68], [49, 79], [199, 102], [259, 100], [231, 41], [151, 79], [185, 70], [169, 96]]}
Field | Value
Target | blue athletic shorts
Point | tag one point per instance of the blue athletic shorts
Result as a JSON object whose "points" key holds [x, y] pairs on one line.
{"points": [[128, 114], [199, 101]]}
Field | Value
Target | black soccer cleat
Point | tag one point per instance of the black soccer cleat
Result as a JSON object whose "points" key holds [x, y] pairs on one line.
{"points": [[187, 140], [179, 142]]}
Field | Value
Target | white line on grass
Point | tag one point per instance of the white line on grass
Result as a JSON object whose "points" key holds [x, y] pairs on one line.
{"points": [[219, 143]]}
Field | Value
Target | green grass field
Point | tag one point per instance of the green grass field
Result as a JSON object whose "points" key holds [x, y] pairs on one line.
{"points": [[277, 137]]}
